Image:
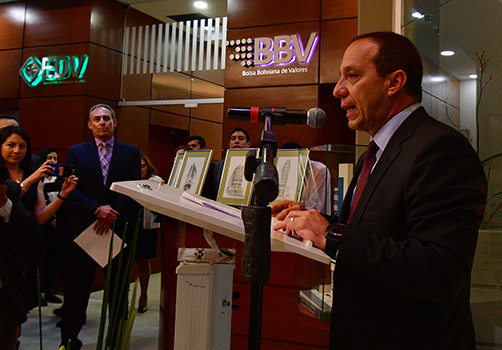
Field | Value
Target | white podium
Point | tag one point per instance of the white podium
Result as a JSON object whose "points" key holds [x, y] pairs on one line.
{"points": [[168, 201], [204, 288]]}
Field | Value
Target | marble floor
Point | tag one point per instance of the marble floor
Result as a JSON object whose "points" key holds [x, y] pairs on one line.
{"points": [[144, 335]]}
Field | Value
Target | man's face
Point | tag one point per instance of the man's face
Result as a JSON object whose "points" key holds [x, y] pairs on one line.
{"points": [[362, 92], [194, 144], [102, 124], [4, 122], [238, 140]]}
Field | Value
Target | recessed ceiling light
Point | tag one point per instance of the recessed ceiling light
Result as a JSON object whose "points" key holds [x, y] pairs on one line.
{"points": [[438, 79], [473, 76], [200, 4], [447, 53], [417, 14]]}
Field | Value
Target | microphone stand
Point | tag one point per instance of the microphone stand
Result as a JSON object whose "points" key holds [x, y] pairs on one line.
{"points": [[257, 220]]}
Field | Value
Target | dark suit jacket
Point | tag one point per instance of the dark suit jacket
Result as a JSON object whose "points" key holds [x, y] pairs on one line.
{"points": [[402, 276], [21, 230], [91, 193]]}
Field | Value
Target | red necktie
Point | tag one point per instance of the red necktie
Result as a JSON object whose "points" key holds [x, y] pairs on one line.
{"points": [[369, 161]]}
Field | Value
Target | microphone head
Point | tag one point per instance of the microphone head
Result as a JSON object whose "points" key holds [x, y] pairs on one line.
{"points": [[316, 117]]}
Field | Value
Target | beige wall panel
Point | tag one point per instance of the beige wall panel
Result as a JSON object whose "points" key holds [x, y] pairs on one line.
{"points": [[169, 120], [211, 132], [133, 126], [136, 87], [210, 112]]}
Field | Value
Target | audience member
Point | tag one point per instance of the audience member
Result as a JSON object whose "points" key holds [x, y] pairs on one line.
{"points": [[98, 163], [10, 120], [196, 142], [147, 239], [239, 138], [17, 229], [316, 193], [52, 237], [15, 156]]}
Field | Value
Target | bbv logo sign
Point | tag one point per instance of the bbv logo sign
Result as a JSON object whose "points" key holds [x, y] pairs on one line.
{"points": [[53, 69], [284, 50]]}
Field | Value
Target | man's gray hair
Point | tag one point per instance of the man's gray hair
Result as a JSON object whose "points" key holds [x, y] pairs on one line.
{"points": [[102, 105]]}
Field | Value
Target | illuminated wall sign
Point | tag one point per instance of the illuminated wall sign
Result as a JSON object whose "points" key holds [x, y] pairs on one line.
{"points": [[282, 50], [53, 69]]}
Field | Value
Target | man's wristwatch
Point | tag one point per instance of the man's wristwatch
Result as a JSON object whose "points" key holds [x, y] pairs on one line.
{"points": [[334, 234]]}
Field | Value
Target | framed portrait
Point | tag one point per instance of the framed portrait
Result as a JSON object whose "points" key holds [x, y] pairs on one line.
{"points": [[234, 189], [291, 167], [175, 171], [194, 170]]}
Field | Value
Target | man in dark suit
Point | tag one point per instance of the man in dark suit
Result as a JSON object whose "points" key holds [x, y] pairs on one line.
{"points": [[403, 261], [98, 164]]}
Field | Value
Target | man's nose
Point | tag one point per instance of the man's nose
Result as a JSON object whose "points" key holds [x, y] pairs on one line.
{"points": [[339, 90]]}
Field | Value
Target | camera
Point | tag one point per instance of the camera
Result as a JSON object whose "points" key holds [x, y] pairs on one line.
{"points": [[61, 170]]}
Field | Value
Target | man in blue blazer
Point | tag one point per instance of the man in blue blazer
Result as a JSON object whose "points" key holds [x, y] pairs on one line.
{"points": [[97, 163], [412, 211]]}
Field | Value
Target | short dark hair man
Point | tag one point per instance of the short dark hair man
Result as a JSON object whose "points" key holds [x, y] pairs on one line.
{"points": [[98, 163], [403, 262], [196, 142], [239, 138]]}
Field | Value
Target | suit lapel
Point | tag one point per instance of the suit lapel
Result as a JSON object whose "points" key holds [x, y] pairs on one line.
{"points": [[94, 160], [391, 152]]}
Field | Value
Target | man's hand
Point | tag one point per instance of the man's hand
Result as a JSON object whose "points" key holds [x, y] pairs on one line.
{"points": [[308, 224], [282, 209], [106, 214]]}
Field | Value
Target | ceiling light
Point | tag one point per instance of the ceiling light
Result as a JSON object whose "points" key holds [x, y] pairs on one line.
{"points": [[473, 76], [417, 14], [447, 53], [438, 79], [200, 4]]}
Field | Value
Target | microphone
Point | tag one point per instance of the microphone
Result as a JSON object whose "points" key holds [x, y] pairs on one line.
{"points": [[314, 117]]}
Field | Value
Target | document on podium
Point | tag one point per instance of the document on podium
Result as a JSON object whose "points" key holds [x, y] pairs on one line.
{"points": [[98, 246], [208, 214]]}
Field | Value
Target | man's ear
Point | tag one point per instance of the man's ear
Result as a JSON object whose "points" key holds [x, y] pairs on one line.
{"points": [[396, 81], [89, 125]]}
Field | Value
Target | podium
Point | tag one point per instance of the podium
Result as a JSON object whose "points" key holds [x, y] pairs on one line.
{"points": [[209, 215], [168, 201]]}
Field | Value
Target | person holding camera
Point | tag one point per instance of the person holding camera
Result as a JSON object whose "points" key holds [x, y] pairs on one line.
{"points": [[22, 182]]}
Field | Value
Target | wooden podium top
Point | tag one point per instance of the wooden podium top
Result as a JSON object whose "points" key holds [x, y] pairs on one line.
{"points": [[211, 215]]}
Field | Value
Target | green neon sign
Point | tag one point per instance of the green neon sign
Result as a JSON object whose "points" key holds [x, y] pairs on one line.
{"points": [[53, 69]]}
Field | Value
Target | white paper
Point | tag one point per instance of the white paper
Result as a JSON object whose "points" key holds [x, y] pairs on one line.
{"points": [[98, 246]]}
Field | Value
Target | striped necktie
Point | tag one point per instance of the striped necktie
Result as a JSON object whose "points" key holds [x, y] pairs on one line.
{"points": [[369, 161], [104, 160]]}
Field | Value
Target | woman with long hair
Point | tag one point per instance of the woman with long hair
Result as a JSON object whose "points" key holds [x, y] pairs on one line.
{"points": [[16, 158], [147, 239]]}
